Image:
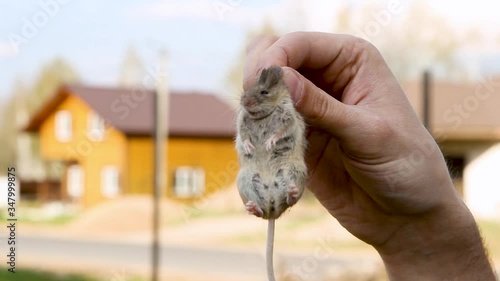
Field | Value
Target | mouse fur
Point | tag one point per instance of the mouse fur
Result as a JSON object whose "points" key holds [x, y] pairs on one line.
{"points": [[271, 145]]}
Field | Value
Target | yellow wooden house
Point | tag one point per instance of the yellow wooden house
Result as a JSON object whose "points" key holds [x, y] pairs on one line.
{"points": [[103, 137]]}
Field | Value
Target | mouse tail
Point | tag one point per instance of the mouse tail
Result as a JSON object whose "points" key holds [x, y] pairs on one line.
{"points": [[269, 250]]}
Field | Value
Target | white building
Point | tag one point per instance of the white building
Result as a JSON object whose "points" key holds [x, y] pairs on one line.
{"points": [[465, 120]]}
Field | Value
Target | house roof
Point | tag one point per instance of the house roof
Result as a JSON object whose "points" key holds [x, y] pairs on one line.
{"points": [[131, 111], [460, 111]]}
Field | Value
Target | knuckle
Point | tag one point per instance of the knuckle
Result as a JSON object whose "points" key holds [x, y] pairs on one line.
{"points": [[359, 46], [363, 46], [361, 43], [298, 34], [260, 39]]}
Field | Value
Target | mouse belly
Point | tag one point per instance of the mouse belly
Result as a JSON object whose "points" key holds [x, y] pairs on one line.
{"points": [[267, 193]]}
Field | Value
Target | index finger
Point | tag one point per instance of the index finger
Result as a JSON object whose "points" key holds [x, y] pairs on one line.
{"points": [[252, 59], [310, 50]]}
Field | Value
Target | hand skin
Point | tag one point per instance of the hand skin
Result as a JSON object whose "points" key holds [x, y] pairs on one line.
{"points": [[372, 164]]}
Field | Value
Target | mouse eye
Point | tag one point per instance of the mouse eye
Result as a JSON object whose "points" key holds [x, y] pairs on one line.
{"points": [[264, 92]]}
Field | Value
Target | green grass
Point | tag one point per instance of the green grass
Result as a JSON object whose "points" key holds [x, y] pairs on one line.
{"points": [[37, 275], [58, 220], [32, 275]]}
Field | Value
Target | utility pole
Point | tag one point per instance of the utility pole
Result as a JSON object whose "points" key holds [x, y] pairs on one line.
{"points": [[426, 101], [161, 107]]}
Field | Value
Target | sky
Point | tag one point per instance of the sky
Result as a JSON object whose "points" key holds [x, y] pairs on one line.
{"points": [[203, 37]]}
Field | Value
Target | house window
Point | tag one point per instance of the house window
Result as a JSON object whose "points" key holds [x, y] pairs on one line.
{"points": [[110, 181], [189, 182], [74, 181], [63, 126], [95, 127]]}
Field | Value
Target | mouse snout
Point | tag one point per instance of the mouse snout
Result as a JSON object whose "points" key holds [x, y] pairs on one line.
{"points": [[248, 103]]}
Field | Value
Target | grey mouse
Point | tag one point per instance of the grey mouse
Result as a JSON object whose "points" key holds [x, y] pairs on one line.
{"points": [[271, 145]]}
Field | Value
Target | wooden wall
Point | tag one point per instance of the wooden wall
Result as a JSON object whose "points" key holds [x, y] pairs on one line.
{"points": [[92, 156], [216, 156], [133, 156]]}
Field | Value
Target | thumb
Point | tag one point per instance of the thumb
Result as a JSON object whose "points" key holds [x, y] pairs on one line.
{"points": [[319, 108]]}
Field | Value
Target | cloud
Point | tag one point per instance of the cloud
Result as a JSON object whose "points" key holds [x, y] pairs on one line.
{"points": [[240, 13], [203, 9], [7, 50], [286, 15]]}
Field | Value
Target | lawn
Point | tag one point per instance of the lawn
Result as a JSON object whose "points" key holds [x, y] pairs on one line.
{"points": [[57, 220], [32, 275], [38, 275]]}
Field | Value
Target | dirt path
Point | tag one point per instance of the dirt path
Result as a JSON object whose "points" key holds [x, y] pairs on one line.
{"points": [[218, 223]]}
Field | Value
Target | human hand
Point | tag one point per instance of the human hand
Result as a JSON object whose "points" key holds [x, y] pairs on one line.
{"points": [[372, 164]]}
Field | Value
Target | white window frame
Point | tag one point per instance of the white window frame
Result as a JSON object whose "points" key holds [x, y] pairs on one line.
{"points": [[96, 127], [63, 126], [189, 182], [74, 181], [110, 182]]}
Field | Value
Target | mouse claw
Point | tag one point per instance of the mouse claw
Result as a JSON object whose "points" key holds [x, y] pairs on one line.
{"points": [[253, 209], [248, 147], [292, 195], [271, 142]]}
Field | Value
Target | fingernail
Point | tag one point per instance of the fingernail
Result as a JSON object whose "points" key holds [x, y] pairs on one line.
{"points": [[294, 83]]}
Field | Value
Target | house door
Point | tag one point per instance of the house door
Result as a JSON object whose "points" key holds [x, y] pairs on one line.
{"points": [[74, 181]]}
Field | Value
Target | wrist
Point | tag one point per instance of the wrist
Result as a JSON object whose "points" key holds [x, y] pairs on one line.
{"points": [[444, 244]]}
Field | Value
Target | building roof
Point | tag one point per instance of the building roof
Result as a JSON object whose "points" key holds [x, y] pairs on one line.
{"points": [[461, 111], [131, 110]]}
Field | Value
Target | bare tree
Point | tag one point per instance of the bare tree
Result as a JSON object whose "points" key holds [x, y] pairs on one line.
{"points": [[21, 105], [411, 41], [50, 77], [8, 128], [132, 70]]}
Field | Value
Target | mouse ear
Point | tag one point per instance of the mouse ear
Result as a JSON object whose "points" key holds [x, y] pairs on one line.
{"points": [[270, 76]]}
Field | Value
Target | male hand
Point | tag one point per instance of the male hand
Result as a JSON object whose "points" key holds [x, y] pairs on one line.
{"points": [[372, 164]]}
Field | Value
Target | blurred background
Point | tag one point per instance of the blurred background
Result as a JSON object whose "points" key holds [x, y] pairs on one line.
{"points": [[77, 96]]}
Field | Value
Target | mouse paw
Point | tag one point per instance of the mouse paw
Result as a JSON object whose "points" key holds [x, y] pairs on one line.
{"points": [[271, 142], [292, 195], [253, 209], [248, 147]]}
